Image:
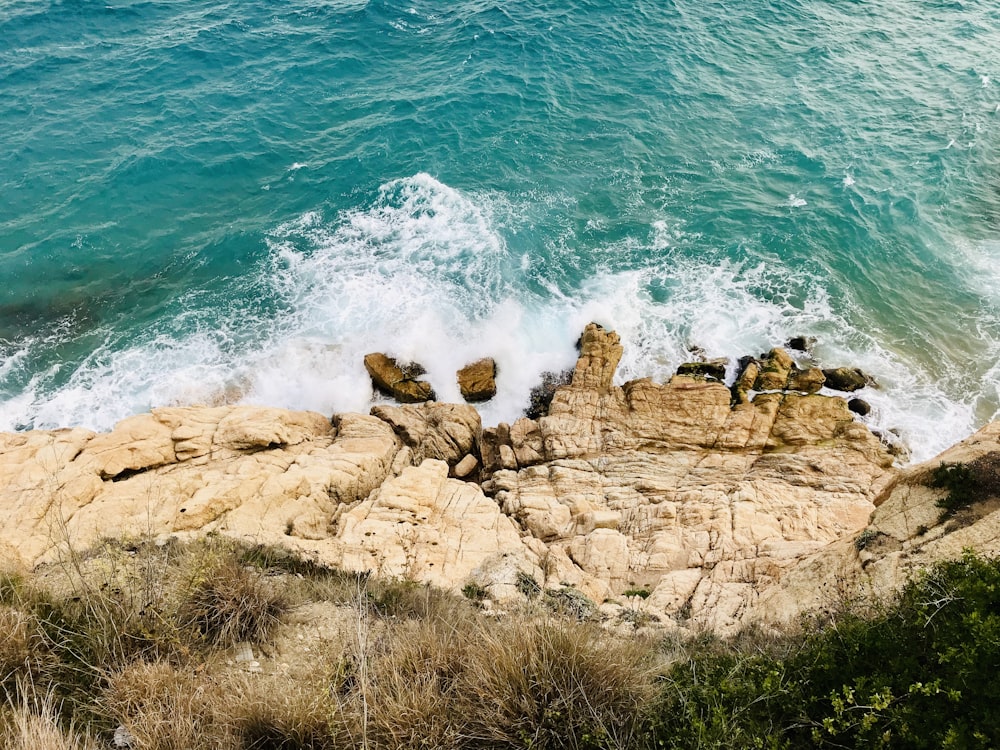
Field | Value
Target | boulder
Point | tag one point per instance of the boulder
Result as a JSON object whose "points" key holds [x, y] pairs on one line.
{"points": [[712, 368], [801, 343], [465, 467], [847, 379], [477, 381], [807, 381], [775, 367], [859, 406], [398, 381]]}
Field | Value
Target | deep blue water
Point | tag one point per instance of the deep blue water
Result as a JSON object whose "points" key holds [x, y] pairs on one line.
{"points": [[207, 202]]}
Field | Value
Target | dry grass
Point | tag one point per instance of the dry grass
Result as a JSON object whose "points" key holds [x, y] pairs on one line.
{"points": [[33, 724], [228, 602], [139, 636], [21, 654], [404, 691], [557, 684], [163, 707], [471, 682], [269, 713]]}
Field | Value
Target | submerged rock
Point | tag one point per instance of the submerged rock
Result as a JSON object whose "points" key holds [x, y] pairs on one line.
{"points": [[801, 343], [398, 381], [477, 381]]}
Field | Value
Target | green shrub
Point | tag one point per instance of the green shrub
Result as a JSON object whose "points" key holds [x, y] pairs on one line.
{"points": [[958, 480], [474, 592], [527, 585], [641, 593], [920, 674], [966, 483], [865, 539]]}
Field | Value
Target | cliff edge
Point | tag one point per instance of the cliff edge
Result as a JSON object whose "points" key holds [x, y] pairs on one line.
{"points": [[699, 507]]}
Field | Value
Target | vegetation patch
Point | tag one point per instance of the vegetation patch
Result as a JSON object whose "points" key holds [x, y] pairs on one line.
{"points": [[641, 593], [227, 602], [865, 539], [527, 585], [107, 643], [966, 483], [919, 674], [474, 592], [569, 602]]}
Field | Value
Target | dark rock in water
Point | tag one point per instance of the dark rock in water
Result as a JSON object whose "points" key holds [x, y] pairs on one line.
{"points": [[847, 379], [713, 368], [477, 381], [801, 343], [541, 395], [859, 406], [398, 381], [743, 362], [696, 352], [808, 381], [775, 367], [893, 442]]}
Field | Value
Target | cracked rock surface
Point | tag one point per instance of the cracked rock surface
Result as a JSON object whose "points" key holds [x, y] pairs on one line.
{"points": [[723, 506]]}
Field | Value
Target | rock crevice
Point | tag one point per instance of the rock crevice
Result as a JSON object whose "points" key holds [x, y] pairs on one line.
{"points": [[725, 504]]}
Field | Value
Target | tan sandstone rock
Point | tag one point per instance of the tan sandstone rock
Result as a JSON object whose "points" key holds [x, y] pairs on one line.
{"points": [[444, 431], [393, 380], [907, 532], [424, 526], [725, 507], [708, 499], [477, 381]]}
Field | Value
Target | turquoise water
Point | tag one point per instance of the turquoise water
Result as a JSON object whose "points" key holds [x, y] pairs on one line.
{"points": [[211, 202]]}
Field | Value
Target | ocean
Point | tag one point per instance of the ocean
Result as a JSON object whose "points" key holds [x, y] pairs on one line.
{"points": [[233, 202]]}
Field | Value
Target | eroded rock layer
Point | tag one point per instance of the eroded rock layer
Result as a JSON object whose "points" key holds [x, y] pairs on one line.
{"points": [[722, 505]]}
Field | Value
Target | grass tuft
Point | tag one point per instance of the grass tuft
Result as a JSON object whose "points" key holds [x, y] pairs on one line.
{"points": [[228, 603], [163, 707]]}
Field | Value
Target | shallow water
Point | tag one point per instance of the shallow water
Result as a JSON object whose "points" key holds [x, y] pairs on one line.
{"points": [[208, 202]]}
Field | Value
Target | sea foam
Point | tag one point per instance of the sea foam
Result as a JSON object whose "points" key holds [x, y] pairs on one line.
{"points": [[424, 273]]}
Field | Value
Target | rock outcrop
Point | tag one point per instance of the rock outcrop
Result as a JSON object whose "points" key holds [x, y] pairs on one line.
{"points": [[724, 505], [907, 531], [399, 382], [672, 489], [847, 379], [477, 381], [713, 368]]}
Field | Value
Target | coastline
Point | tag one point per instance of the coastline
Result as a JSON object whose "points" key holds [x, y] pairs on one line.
{"points": [[713, 503]]}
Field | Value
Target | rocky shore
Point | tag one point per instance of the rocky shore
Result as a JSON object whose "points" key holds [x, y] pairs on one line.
{"points": [[696, 503]]}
